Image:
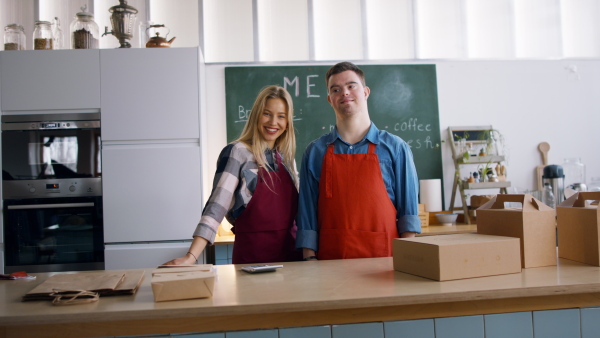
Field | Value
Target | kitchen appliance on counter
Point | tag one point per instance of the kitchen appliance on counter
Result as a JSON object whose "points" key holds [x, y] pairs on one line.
{"points": [[52, 192], [554, 175]]}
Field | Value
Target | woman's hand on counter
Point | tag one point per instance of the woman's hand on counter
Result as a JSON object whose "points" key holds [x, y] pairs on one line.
{"points": [[185, 260], [198, 245]]}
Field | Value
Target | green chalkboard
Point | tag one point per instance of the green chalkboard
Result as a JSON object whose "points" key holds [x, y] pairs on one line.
{"points": [[403, 101]]}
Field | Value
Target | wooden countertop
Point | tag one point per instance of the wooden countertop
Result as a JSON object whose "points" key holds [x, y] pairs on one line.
{"points": [[301, 293]]}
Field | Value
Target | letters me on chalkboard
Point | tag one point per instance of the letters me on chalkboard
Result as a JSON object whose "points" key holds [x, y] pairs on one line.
{"points": [[403, 101]]}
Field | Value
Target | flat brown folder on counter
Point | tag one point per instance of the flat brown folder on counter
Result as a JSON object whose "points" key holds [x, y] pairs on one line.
{"points": [[105, 283]]}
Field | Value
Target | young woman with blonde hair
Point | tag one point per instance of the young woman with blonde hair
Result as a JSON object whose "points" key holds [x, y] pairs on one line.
{"points": [[255, 187]]}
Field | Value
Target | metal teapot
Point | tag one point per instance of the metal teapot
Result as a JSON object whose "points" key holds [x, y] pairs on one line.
{"points": [[158, 41]]}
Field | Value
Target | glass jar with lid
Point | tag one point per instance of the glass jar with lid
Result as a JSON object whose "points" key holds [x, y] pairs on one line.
{"points": [[574, 171], [84, 31], [14, 37], [594, 184], [43, 38]]}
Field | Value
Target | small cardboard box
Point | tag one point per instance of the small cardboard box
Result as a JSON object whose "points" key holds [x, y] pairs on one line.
{"points": [[423, 216], [176, 283], [534, 224], [448, 257], [578, 228], [479, 200]]}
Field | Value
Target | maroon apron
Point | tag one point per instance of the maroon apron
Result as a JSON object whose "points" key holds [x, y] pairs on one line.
{"points": [[265, 231], [357, 218]]}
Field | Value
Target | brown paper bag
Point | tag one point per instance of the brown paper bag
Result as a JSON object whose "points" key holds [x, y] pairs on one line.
{"points": [[104, 283]]}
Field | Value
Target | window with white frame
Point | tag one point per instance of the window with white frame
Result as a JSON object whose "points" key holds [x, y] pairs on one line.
{"points": [[324, 30]]}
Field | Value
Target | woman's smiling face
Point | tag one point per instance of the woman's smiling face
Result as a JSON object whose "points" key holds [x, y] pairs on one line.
{"points": [[273, 120]]}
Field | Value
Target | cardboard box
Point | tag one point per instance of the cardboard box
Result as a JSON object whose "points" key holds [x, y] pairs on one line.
{"points": [[176, 283], [479, 200], [534, 223], [423, 216], [448, 257], [578, 233]]}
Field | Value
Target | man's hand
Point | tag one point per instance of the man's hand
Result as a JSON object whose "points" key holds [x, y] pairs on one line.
{"points": [[309, 254], [407, 234]]}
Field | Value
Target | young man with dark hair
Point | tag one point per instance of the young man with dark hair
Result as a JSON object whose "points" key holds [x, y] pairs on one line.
{"points": [[358, 184]]}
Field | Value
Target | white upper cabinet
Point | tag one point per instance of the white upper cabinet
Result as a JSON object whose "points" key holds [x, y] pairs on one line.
{"points": [[150, 93], [34, 80]]}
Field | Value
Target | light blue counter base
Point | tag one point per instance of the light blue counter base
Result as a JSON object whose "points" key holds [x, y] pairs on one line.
{"points": [[580, 322]]}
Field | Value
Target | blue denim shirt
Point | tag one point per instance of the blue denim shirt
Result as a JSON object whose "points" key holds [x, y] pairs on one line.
{"points": [[397, 168]]}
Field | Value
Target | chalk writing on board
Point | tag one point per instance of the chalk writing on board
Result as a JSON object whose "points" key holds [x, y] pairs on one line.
{"points": [[244, 113], [295, 84]]}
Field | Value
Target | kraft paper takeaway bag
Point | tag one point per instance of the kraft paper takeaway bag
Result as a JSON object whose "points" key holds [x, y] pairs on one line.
{"points": [[579, 228], [534, 223], [179, 283], [105, 283]]}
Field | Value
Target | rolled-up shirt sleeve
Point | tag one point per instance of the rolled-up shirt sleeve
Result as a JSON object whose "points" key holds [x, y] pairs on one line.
{"points": [[406, 186], [307, 235]]}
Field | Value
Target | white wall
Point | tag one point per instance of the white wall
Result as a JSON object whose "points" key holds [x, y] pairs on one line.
{"points": [[528, 101]]}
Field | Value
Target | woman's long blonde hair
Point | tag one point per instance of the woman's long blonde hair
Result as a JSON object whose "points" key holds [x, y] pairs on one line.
{"points": [[285, 144]]}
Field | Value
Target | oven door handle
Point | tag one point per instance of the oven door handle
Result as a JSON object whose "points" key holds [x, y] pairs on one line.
{"points": [[50, 206]]}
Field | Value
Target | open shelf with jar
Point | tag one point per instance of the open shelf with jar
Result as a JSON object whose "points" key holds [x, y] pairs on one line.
{"points": [[477, 147]]}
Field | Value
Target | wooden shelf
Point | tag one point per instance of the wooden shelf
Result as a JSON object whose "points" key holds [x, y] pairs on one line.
{"points": [[480, 159], [469, 136], [486, 185]]}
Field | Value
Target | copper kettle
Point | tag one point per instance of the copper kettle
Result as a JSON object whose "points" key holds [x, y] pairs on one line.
{"points": [[159, 41]]}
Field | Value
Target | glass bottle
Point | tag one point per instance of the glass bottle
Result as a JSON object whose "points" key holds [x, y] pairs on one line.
{"points": [[143, 32], [57, 34], [84, 31], [548, 196], [42, 36], [594, 184], [574, 171], [14, 37]]}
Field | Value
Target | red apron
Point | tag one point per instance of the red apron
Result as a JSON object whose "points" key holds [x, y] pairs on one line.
{"points": [[356, 217], [266, 232]]}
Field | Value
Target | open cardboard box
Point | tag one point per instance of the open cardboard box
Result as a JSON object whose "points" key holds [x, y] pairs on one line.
{"points": [[534, 224], [458, 256], [189, 282], [578, 228]]}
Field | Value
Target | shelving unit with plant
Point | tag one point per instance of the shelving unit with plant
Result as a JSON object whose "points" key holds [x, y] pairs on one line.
{"points": [[480, 148]]}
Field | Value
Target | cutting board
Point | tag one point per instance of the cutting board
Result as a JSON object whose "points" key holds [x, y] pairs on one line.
{"points": [[543, 147]]}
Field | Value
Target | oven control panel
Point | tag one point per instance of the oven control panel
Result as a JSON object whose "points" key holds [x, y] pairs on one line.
{"points": [[52, 188]]}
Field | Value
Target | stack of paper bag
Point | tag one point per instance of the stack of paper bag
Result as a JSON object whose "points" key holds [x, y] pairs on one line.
{"points": [[105, 283], [177, 283]]}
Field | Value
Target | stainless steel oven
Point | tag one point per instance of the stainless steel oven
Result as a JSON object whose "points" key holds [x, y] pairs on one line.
{"points": [[52, 192]]}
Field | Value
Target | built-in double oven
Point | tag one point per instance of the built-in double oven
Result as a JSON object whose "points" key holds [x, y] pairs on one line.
{"points": [[52, 192]]}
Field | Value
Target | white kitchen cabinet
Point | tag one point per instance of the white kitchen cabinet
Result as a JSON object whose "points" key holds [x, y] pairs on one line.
{"points": [[151, 192], [34, 80], [150, 93], [143, 255]]}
